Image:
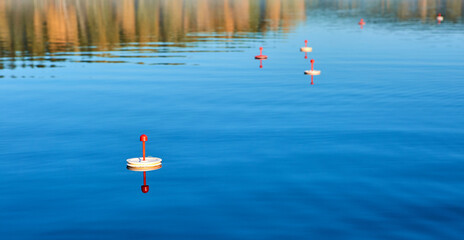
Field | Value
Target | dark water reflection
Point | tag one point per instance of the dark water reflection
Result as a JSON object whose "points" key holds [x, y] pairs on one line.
{"points": [[372, 150]]}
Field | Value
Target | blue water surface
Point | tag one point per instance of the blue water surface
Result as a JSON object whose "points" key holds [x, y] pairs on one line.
{"points": [[372, 150]]}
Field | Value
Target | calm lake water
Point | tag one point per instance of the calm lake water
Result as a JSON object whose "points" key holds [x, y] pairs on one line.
{"points": [[372, 150]]}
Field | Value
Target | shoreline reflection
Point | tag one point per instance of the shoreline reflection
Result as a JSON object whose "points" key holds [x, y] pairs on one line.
{"points": [[92, 31]]}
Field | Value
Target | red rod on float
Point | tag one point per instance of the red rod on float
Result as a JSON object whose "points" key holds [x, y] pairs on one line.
{"points": [[143, 138]]}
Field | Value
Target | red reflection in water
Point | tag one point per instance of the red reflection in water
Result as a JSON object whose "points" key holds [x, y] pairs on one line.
{"points": [[145, 187], [260, 63]]}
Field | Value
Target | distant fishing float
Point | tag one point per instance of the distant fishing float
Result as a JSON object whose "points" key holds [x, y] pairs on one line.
{"points": [[261, 56], [306, 49], [362, 23], [312, 72], [440, 18]]}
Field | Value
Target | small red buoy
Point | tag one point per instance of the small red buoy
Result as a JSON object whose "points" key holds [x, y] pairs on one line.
{"points": [[261, 56], [362, 23]]}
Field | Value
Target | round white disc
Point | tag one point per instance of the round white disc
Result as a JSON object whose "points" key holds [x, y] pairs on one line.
{"points": [[306, 49], [314, 72], [138, 162]]}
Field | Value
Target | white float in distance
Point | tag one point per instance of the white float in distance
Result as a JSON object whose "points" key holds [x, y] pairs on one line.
{"points": [[306, 49], [440, 18], [312, 72]]}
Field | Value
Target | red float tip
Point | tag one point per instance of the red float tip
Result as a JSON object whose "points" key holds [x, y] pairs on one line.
{"points": [[439, 14], [306, 41], [145, 188], [143, 138], [261, 48], [306, 57], [362, 19], [312, 60]]}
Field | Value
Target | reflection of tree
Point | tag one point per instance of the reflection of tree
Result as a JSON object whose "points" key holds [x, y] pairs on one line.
{"points": [[396, 9], [35, 27]]}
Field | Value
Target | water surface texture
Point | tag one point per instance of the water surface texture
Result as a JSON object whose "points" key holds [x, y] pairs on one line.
{"points": [[373, 149]]}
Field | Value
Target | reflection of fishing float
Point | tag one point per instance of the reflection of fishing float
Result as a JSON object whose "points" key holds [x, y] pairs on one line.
{"points": [[362, 23], [145, 186], [261, 63], [144, 162], [144, 169], [312, 72], [261, 56], [440, 18]]}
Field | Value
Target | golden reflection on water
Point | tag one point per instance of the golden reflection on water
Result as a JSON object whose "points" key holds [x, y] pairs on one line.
{"points": [[37, 27], [31, 29]]}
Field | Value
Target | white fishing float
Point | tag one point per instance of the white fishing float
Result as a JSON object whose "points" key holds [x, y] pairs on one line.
{"points": [[306, 49], [312, 72], [440, 18], [143, 162]]}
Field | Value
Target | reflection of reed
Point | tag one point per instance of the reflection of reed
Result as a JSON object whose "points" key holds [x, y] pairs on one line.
{"points": [[399, 9], [36, 27]]}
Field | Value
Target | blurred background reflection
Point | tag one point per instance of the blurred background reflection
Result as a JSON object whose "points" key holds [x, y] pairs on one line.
{"points": [[32, 30]]}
